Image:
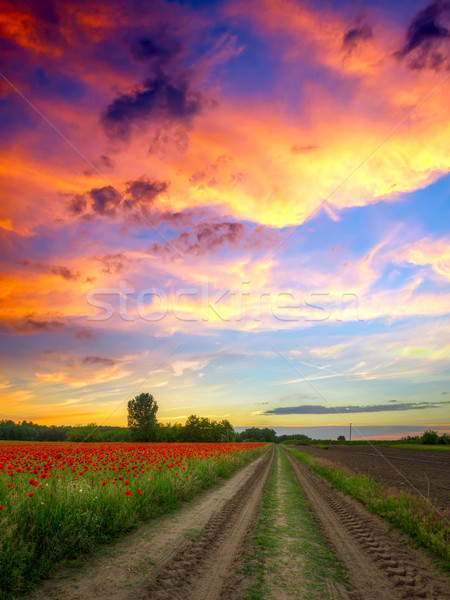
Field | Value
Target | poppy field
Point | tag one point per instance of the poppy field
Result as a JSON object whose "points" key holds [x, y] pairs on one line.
{"points": [[60, 500]]}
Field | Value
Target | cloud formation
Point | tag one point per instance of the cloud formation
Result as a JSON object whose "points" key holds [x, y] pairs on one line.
{"points": [[144, 190], [211, 237], [98, 361], [312, 409], [37, 324], [428, 35], [159, 48], [138, 199], [105, 200], [61, 270], [359, 33], [158, 99]]}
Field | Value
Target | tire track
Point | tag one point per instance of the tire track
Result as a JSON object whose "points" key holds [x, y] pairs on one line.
{"points": [[199, 570], [379, 566]]}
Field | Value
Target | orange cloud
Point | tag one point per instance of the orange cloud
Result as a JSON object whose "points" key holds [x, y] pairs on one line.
{"points": [[24, 29], [79, 381], [269, 163]]}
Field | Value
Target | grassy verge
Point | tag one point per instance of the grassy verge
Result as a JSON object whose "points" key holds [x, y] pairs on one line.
{"points": [[66, 518], [412, 514], [289, 551], [435, 447]]}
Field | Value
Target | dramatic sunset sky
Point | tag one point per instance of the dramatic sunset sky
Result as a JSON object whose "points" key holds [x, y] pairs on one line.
{"points": [[240, 206]]}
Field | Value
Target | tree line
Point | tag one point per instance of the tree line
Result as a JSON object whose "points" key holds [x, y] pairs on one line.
{"points": [[143, 426], [196, 429], [429, 437], [265, 434], [29, 431]]}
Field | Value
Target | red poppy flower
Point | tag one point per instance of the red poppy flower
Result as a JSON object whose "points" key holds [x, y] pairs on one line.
{"points": [[139, 491], [128, 493], [30, 494]]}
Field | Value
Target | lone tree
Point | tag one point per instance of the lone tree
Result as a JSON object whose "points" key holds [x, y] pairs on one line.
{"points": [[142, 417]]}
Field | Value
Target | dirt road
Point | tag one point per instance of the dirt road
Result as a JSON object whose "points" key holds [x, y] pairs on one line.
{"points": [[378, 564], [196, 553], [199, 571]]}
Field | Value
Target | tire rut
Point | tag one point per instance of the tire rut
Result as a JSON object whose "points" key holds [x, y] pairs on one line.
{"points": [[379, 566], [199, 570]]}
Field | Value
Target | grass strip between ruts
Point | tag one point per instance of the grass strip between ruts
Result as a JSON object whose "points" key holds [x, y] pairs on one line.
{"points": [[289, 551]]}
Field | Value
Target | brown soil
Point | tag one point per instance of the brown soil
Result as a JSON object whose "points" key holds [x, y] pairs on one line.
{"points": [[200, 571], [379, 565], [424, 472]]}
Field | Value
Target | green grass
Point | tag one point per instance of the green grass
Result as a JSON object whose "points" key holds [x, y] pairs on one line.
{"points": [[412, 514], [436, 447], [263, 546], [288, 548]]}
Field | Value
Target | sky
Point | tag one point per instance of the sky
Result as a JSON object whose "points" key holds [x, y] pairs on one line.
{"points": [[241, 207]]}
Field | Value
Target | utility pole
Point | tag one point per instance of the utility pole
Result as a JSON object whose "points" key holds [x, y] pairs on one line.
{"points": [[350, 432]]}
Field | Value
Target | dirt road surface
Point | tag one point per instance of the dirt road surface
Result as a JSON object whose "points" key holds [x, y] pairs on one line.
{"points": [[378, 564], [200, 570]]}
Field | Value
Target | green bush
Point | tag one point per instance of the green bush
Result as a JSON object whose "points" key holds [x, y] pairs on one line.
{"points": [[429, 437]]}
